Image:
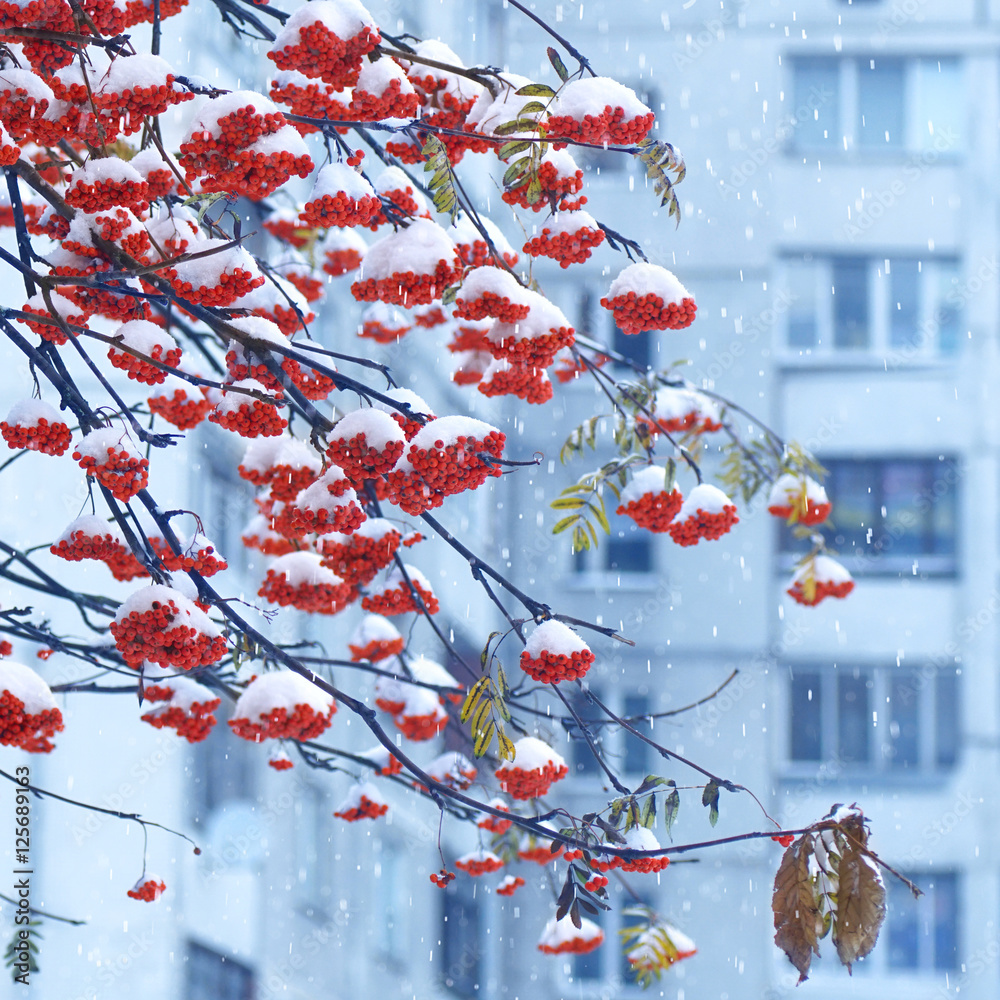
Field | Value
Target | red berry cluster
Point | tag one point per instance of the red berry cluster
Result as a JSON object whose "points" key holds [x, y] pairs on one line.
{"points": [[305, 520], [551, 668], [494, 824], [106, 193], [541, 854], [304, 723], [610, 127], [452, 468], [442, 878], [399, 600], [180, 409], [785, 839], [361, 462], [315, 100], [654, 511], [475, 867], [510, 886], [405, 288], [814, 513], [49, 439], [430, 317], [148, 892], [555, 186], [153, 635], [194, 725], [253, 418], [338, 262], [357, 559], [50, 330], [132, 105], [567, 248], [121, 473], [703, 524], [527, 382], [489, 304], [421, 727], [538, 352], [636, 313], [81, 545], [595, 883], [391, 103], [321, 53], [340, 210], [377, 649], [280, 764], [645, 865], [524, 785], [205, 560], [141, 370], [321, 598], [232, 284], [381, 332], [820, 590], [365, 810], [229, 162], [31, 732], [5, 648]]}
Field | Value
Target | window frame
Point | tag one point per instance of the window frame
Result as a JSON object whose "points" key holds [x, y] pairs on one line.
{"points": [[880, 560], [847, 141], [938, 308], [938, 712]]}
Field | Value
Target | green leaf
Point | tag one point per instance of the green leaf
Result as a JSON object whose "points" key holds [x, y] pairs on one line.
{"points": [[601, 515], [671, 806], [536, 89], [508, 149], [515, 170], [561, 526], [557, 64], [534, 192], [533, 108], [567, 503], [484, 738]]}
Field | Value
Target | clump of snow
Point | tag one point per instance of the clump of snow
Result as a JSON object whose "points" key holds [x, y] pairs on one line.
{"points": [[649, 279], [555, 638], [591, 95], [418, 248], [532, 754], [304, 569], [377, 426], [29, 412], [704, 497], [25, 685], [651, 479], [279, 689]]}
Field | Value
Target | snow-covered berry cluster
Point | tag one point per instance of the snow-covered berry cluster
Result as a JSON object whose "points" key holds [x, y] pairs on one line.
{"points": [[29, 717], [554, 653], [182, 704], [35, 425], [282, 705], [536, 767]]}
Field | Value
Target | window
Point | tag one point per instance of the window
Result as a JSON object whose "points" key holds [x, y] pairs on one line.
{"points": [[214, 976], [892, 515], [886, 719], [923, 933], [899, 307], [638, 754], [461, 939], [223, 772], [628, 549], [878, 103]]}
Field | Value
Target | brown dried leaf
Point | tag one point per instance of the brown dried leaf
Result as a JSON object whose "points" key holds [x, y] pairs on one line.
{"points": [[860, 898], [796, 915]]}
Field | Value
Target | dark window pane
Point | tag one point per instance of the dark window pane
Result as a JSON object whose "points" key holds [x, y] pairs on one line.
{"points": [[881, 107], [631, 346], [817, 103], [904, 721], [807, 717], [460, 946], [213, 976], [945, 919], [629, 552], [581, 758], [854, 504], [853, 718], [947, 316], [903, 925], [905, 531], [589, 966], [636, 752], [904, 302], [850, 302], [946, 721]]}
